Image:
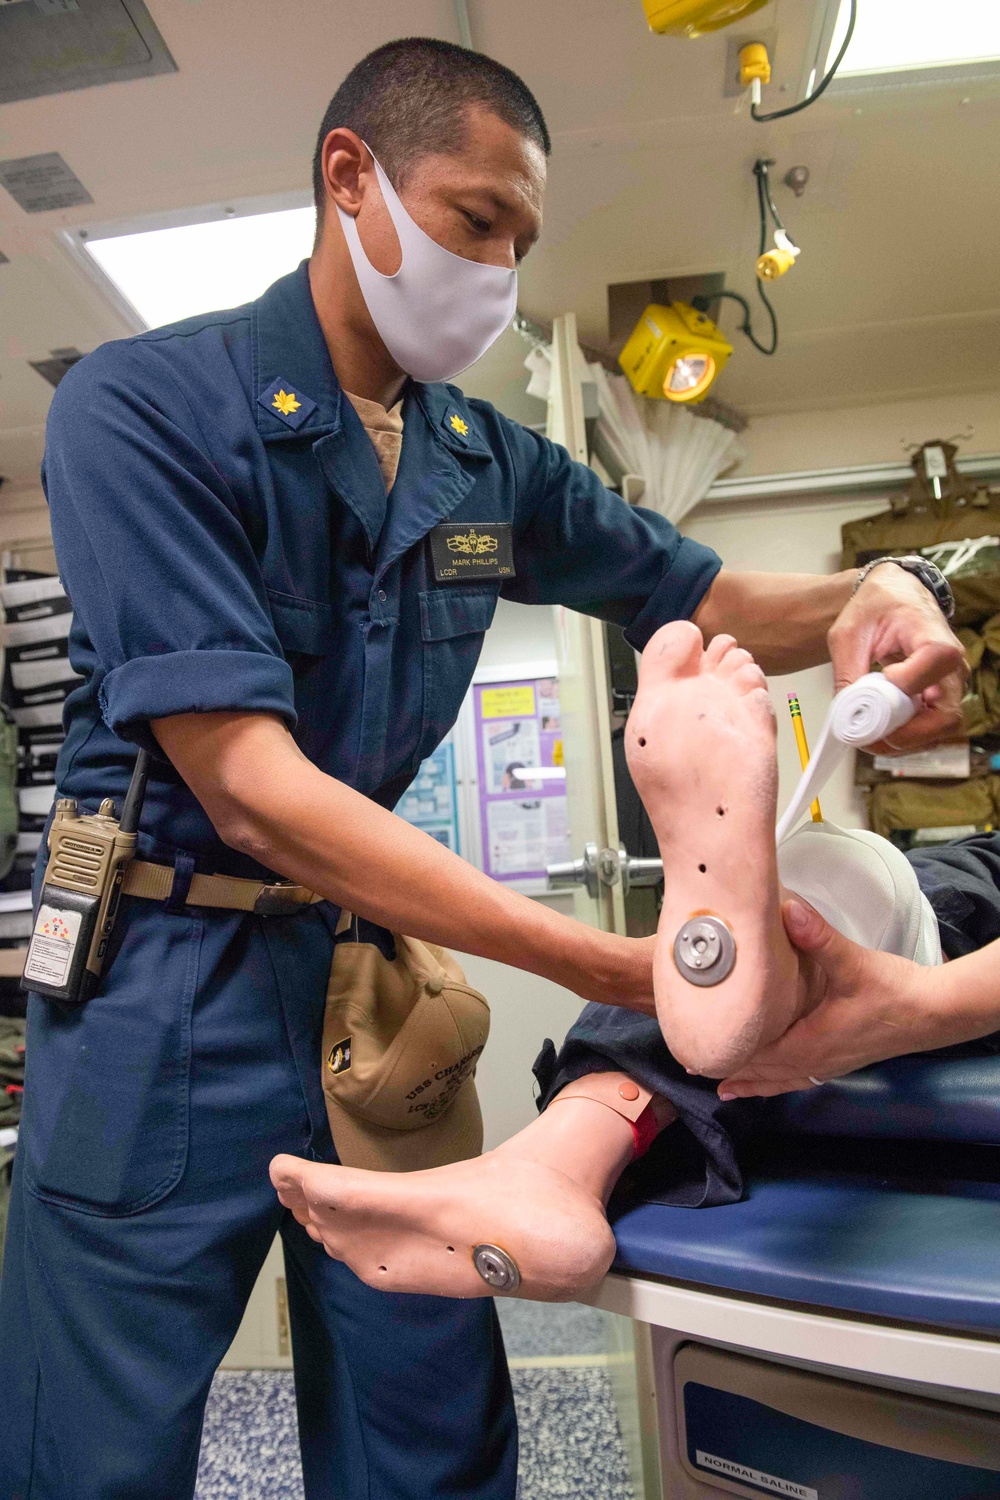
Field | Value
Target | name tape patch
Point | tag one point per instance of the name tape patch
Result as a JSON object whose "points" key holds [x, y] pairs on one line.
{"points": [[461, 550]]}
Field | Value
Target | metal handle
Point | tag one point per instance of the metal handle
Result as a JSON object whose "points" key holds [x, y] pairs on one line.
{"points": [[576, 872], [605, 867], [636, 872]]}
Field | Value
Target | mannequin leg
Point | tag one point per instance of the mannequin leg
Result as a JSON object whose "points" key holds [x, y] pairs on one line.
{"points": [[700, 743], [540, 1197], [701, 748]]}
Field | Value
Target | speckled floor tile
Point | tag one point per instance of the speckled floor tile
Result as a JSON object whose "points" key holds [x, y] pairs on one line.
{"points": [[571, 1446], [250, 1442], [533, 1328]]}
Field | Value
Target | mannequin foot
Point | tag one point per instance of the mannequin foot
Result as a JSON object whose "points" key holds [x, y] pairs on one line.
{"points": [[417, 1231], [539, 1198], [700, 742]]}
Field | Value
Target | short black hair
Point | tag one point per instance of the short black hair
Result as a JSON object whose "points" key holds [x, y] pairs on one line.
{"points": [[408, 99]]}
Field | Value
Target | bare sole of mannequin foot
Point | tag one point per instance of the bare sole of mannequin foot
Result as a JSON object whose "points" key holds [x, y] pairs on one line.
{"points": [[700, 742], [540, 1197]]}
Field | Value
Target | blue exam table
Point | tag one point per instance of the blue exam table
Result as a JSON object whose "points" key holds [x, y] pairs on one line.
{"points": [[860, 1274]]}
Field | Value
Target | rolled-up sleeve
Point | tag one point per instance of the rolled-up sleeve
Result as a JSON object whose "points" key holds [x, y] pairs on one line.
{"points": [[578, 544], [153, 552]]}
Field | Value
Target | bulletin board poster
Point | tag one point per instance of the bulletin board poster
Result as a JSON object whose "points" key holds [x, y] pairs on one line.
{"points": [[431, 803], [522, 780]]}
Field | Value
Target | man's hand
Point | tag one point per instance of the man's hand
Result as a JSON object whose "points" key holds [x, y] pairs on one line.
{"points": [[874, 1005], [895, 621], [794, 620]]}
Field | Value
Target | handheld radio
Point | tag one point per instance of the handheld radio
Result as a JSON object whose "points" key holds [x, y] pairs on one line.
{"points": [[88, 854]]}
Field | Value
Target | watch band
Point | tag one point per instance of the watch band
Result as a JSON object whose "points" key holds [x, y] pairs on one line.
{"points": [[928, 573]]}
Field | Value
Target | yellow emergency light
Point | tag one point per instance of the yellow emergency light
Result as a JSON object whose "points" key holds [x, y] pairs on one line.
{"points": [[674, 352], [693, 17]]}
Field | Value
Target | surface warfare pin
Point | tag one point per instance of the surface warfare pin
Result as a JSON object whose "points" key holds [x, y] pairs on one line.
{"points": [[339, 1060], [286, 402]]}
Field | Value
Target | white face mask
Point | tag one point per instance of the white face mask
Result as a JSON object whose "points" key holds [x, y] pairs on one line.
{"points": [[439, 312]]}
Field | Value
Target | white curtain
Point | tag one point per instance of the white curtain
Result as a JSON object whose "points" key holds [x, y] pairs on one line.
{"points": [[539, 363], [676, 454]]}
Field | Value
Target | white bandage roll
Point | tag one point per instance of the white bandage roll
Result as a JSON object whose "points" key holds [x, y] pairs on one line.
{"points": [[868, 710]]}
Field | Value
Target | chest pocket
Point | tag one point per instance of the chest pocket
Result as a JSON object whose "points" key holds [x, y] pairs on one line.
{"points": [[303, 627], [452, 625]]}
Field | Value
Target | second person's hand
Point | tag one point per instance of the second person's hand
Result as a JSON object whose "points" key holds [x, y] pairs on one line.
{"points": [[874, 1006]]}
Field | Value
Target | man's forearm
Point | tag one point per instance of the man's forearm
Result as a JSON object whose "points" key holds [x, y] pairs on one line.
{"points": [[781, 618], [965, 1002], [793, 620], [268, 800]]}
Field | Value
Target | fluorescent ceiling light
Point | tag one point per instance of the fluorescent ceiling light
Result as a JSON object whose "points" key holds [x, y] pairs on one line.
{"points": [[892, 35], [168, 274]]}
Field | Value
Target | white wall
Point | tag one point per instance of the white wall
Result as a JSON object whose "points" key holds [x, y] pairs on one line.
{"points": [[873, 434], [800, 538], [524, 1009], [24, 517], [519, 633]]}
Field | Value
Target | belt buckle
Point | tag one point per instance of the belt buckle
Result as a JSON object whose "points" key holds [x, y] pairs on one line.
{"points": [[273, 902]]}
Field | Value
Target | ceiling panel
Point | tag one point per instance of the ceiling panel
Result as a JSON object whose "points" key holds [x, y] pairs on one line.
{"points": [[896, 291]]}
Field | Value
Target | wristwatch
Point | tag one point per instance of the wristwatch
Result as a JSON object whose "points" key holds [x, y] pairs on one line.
{"points": [[929, 573]]}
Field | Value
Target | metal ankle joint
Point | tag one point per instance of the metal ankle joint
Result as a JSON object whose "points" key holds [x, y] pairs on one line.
{"points": [[704, 951]]}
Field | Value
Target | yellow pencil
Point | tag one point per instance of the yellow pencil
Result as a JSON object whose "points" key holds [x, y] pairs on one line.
{"points": [[803, 744]]}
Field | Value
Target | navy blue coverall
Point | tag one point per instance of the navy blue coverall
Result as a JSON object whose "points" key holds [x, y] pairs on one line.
{"points": [[226, 548]]}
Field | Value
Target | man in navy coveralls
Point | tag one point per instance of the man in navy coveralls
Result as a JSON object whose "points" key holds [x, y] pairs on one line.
{"points": [[255, 605]]}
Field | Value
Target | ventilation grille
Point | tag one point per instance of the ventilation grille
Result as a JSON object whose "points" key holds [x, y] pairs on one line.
{"points": [[78, 863], [51, 46]]}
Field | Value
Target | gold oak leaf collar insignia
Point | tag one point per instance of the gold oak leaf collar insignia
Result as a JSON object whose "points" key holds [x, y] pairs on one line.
{"points": [[289, 405]]}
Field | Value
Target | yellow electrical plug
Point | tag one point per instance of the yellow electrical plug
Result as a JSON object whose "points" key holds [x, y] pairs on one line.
{"points": [[774, 263], [754, 63]]}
